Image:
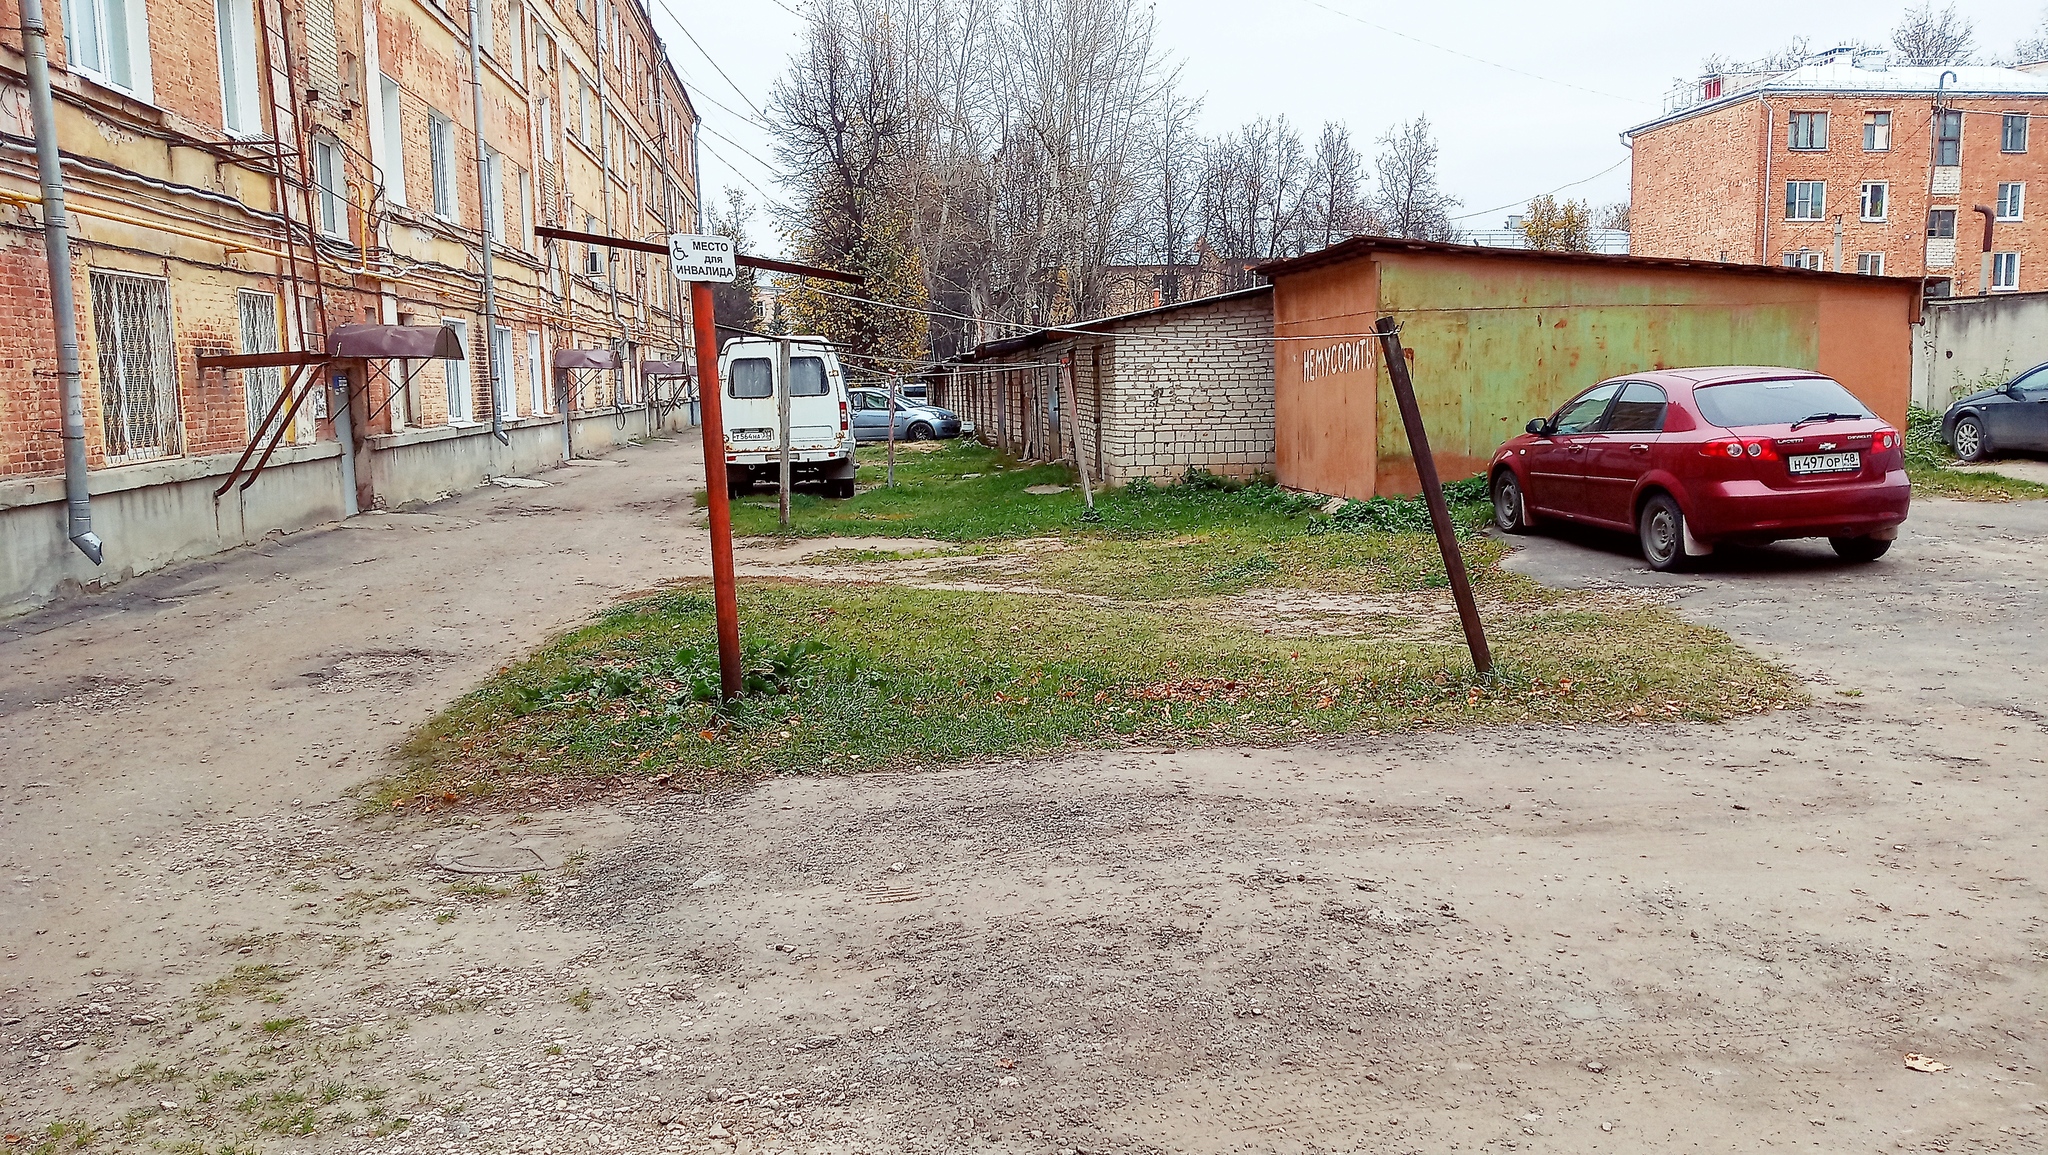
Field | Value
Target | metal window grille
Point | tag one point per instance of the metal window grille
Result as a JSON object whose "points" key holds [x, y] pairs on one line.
{"points": [[138, 372], [259, 335], [2013, 137], [1809, 131], [1948, 139]]}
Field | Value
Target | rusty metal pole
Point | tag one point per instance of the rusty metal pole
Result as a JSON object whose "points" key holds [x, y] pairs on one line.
{"points": [[1433, 493], [710, 394]]}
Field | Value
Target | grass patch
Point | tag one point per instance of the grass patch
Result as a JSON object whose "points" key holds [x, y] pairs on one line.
{"points": [[1197, 623], [250, 980], [1929, 461]]}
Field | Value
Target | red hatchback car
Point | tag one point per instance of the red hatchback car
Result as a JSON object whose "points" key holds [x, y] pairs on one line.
{"points": [[1689, 458]]}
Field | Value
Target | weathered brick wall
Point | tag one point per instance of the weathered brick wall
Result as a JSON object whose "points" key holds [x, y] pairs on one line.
{"points": [[1185, 388], [31, 424], [1699, 189]]}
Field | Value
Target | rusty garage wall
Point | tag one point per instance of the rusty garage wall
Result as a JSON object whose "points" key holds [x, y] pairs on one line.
{"points": [[1497, 336]]}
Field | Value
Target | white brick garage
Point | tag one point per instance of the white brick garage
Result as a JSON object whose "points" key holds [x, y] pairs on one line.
{"points": [[1158, 392]]}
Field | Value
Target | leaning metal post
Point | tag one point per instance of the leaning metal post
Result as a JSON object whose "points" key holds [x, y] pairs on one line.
{"points": [[1433, 492], [63, 304], [724, 590]]}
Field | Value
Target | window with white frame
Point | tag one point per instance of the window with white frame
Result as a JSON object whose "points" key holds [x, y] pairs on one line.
{"points": [[486, 28], [2012, 136], [258, 315], [441, 159], [131, 318], [2012, 200], [494, 194], [1802, 259], [241, 88], [391, 133], [515, 38], [1805, 200], [457, 370], [1870, 264], [1877, 132], [583, 106], [2005, 271], [504, 392], [331, 183], [1809, 132], [108, 40], [1876, 195]]}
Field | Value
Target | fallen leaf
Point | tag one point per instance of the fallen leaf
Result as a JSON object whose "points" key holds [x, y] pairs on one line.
{"points": [[1007, 1064], [1920, 1062]]}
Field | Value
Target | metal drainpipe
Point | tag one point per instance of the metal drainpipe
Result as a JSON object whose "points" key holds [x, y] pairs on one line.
{"points": [[63, 304], [483, 204]]}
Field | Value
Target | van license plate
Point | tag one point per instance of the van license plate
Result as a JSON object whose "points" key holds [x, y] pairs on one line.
{"points": [[1825, 462], [750, 435]]}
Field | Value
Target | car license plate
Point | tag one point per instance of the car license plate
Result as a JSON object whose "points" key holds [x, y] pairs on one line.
{"points": [[1825, 462], [967, 428], [750, 435]]}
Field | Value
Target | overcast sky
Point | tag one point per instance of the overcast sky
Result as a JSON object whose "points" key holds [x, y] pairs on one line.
{"points": [[1520, 106]]}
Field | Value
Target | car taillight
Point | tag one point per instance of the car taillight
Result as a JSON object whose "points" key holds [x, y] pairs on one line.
{"points": [[1739, 448], [842, 417], [1884, 439]]}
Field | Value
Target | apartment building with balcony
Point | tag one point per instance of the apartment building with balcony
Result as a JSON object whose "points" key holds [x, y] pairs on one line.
{"points": [[249, 177], [1848, 164]]}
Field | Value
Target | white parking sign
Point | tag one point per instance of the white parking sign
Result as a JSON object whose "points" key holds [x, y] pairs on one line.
{"points": [[693, 257]]}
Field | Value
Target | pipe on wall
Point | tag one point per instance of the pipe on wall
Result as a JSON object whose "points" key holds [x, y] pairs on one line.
{"points": [[63, 302], [483, 204]]}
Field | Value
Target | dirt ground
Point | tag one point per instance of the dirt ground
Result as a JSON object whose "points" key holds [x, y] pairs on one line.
{"points": [[1653, 937]]}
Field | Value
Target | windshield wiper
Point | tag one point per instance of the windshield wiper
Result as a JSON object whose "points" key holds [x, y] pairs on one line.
{"points": [[1827, 417]]}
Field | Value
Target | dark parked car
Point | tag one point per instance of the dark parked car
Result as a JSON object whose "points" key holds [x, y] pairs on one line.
{"points": [[914, 421], [2014, 416], [1688, 458]]}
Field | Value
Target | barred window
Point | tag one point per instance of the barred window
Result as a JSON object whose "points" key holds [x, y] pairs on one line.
{"points": [[258, 314], [138, 370]]}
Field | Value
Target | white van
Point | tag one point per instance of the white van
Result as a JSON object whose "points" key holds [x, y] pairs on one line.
{"points": [[820, 425]]}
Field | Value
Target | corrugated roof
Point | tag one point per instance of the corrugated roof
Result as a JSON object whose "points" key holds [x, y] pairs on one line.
{"points": [[1358, 247], [1053, 333]]}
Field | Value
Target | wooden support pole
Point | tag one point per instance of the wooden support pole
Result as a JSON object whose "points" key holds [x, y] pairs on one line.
{"points": [[782, 425], [724, 590], [1433, 493]]}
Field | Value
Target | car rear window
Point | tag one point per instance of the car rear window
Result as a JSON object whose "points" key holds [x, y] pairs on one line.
{"points": [[1785, 402], [807, 377], [753, 378]]}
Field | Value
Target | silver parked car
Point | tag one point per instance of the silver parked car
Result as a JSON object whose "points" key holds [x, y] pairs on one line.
{"points": [[914, 421]]}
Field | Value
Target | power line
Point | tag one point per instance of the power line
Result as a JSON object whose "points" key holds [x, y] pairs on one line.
{"points": [[1560, 188], [1469, 56]]}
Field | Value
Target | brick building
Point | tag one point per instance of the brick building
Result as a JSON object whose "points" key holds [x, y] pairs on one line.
{"points": [[248, 176], [1887, 162], [1157, 392]]}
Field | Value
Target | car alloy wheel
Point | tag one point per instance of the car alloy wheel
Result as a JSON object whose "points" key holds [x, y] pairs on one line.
{"points": [[1661, 527], [920, 432], [1969, 439], [1507, 503]]}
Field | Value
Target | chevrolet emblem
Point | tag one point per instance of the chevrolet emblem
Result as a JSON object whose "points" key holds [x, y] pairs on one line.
{"points": [[1826, 445]]}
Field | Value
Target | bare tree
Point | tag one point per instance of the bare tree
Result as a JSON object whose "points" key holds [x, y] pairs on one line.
{"points": [[1612, 216], [2033, 47], [1333, 204], [735, 303], [1408, 202], [1927, 37]]}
